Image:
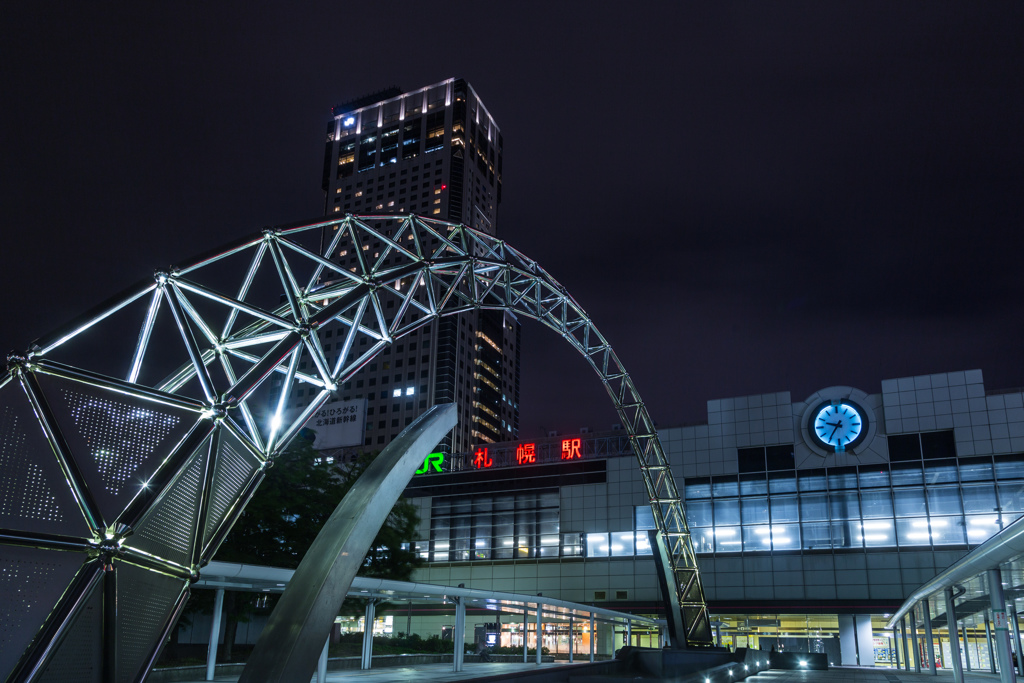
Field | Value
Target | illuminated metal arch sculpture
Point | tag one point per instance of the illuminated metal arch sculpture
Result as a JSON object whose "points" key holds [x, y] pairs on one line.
{"points": [[114, 493]]}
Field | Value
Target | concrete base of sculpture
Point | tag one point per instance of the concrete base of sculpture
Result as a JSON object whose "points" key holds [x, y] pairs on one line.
{"points": [[291, 642]]}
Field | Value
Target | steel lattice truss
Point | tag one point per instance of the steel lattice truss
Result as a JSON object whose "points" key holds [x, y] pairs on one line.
{"points": [[116, 488]]}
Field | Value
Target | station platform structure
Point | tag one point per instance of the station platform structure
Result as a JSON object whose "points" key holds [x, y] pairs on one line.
{"points": [[535, 609]]}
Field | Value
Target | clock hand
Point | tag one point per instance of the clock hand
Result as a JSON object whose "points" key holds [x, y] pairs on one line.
{"points": [[833, 432]]}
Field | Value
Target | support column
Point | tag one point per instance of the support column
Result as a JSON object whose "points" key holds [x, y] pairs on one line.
{"points": [[593, 636], [571, 637], [865, 639], [526, 633], [572, 628], [998, 601], [896, 645], [847, 640], [988, 639], [930, 645], [954, 639], [408, 622], [370, 615], [1011, 614], [321, 666], [903, 637], [211, 650], [459, 635], [967, 647], [539, 639], [629, 632], [913, 640]]}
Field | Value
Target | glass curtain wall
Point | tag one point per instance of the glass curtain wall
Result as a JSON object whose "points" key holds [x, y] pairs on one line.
{"points": [[908, 503], [800, 633], [500, 527]]}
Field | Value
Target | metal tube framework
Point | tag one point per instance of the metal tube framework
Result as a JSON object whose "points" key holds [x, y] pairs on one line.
{"points": [[199, 416]]}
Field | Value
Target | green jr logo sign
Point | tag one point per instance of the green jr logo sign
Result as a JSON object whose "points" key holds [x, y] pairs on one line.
{"points": [[434, 461]]}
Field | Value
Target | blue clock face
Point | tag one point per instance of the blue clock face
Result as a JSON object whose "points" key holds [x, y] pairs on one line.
{"points": [[838, 426]]}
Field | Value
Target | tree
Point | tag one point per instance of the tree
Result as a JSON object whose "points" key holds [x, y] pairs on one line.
{"points": [[291, 506]]}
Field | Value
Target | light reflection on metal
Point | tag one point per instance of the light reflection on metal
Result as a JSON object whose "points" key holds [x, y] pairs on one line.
{"points": [[223, 389]]}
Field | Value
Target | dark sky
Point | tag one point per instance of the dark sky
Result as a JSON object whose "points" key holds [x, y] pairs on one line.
{"points": [[746, 197]]}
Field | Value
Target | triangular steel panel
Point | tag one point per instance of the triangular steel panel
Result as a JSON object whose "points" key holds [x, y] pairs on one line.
{"points": [[118, 441], [691, 586], [79, 657], [145, 601], [34, 493], [169, 528], [32, 581], [234, 467], [697, 626]]}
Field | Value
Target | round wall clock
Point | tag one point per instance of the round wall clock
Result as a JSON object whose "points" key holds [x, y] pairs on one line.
{"points": [[838, 425]]}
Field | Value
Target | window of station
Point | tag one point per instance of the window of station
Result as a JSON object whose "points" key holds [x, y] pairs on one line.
{"points": [[817, 633], [618, 544], [922, 500], [522, 525]]}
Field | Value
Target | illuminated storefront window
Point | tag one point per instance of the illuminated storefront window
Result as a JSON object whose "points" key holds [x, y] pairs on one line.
{"points": [[382, 626]]}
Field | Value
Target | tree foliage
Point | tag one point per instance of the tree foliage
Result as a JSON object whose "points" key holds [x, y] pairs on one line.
{"points": [[291, 506], [287, 512]]}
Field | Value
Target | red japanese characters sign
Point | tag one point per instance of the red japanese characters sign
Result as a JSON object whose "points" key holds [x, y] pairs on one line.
{"points": [[525, 454], [481, 460]]}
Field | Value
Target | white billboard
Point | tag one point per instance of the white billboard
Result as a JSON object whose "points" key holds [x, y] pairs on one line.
{"points": [[338, 424]]}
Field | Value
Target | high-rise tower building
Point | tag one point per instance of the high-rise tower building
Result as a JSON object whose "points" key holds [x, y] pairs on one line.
{"points": [[435, 152]]}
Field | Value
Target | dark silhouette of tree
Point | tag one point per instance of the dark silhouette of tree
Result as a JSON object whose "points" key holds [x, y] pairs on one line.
{"points": [[290, 507]]}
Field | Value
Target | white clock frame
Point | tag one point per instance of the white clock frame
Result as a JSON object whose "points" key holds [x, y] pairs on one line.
{"points": [[838, 394]]}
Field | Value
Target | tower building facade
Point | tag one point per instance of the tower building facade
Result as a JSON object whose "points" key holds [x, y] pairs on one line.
{"points": [[435, 152]]}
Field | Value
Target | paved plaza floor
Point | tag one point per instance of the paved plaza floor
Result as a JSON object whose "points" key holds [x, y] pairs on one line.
{"points": [[853, 674], [423, 673], [442, 673]]}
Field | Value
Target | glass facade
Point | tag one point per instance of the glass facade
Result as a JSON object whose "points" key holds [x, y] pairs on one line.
{"points": [[801, 633], [618, 544], [912, 502], [499, 527]]}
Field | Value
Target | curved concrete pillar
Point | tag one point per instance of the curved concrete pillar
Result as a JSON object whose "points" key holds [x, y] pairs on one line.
{"points": [[291, 642]]}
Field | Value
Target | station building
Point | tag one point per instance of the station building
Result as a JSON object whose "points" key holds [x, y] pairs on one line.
{"points": [[813, 519]]}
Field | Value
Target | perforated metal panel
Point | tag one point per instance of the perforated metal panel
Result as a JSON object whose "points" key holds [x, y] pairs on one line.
{"points": [[80, 656], [169, 529], [120, 436], [34, 495], [32, 580], [118, 441], [234, 468], [145, 601]]}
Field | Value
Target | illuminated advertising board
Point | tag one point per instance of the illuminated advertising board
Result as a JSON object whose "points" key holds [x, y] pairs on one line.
{"points": [[338, 424]]}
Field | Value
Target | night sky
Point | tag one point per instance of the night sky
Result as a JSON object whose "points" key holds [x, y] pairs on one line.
{"points": [[746, 197]]}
